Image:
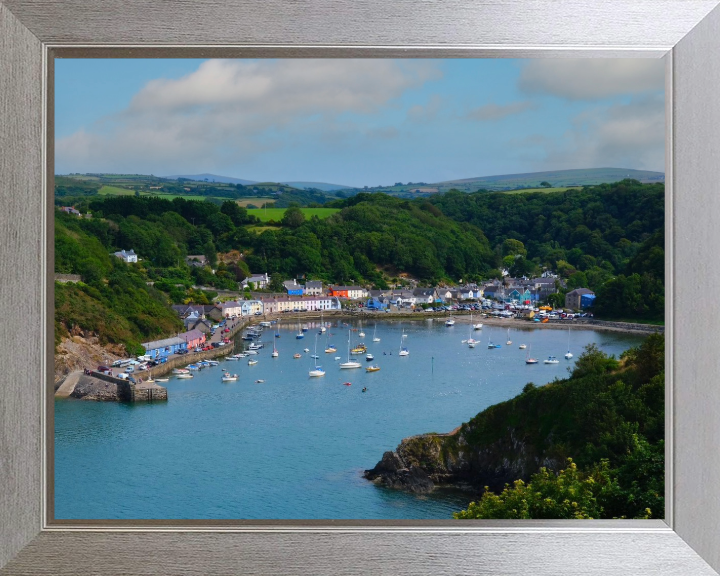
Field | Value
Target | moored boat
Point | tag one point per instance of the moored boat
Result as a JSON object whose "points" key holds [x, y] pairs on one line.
{"points": [[373, 368]]}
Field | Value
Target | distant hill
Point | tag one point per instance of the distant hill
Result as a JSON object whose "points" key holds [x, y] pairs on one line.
{"points": [[557, 178], [211, 178], [325, 187]]}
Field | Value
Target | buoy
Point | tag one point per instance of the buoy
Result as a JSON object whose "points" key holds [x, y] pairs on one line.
{"points": [[347, 384]]}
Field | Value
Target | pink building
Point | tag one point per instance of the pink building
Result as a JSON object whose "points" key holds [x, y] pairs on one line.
{"points": [[194, 338]]}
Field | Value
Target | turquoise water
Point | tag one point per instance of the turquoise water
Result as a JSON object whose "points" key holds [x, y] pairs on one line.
{"points": [[295, 447]]}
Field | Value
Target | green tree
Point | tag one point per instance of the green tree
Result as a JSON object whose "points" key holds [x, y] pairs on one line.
{"points": [[293, 217]]}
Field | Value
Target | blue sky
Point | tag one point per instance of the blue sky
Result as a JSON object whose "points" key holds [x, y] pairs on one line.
{"points": [[357, 122]]}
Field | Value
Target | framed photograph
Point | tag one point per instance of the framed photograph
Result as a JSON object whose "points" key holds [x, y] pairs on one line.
{"points": [[191, 287]]}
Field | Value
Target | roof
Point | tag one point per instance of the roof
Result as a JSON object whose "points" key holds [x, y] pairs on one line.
{"points": [[313, 284], [229, 304], [346, 288], [424, 291], [580, 292], [191, 335], [163, 343]]}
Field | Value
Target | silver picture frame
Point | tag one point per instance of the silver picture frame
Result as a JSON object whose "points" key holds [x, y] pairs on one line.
{"points": [[686, 33]]}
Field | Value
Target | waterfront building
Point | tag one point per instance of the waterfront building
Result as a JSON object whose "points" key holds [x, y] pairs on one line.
{"points": [[574, 298], [164, 348], [349, 292], [128, 256], [193, 338], [251, 307], [231, 308], [426, 295], [376, 303], [278, 304]]}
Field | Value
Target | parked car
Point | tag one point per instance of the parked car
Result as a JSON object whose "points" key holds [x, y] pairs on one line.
{"points": [[130, 369], [123, 376], [181, 352], [258, 313], [104, 370]]}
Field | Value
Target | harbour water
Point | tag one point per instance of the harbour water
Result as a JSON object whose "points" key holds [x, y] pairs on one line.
{"points": [[294, 447]]}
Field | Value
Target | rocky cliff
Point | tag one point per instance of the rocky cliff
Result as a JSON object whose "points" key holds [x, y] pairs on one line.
{"points": [[596, 414], [420, 463]]}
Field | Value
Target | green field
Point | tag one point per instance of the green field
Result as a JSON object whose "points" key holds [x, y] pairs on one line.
{"points": [[115, 191], [276, 214], [258, 201]]}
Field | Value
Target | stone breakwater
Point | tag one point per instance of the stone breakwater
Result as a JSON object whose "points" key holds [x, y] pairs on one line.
{"points": [[101, 387]]}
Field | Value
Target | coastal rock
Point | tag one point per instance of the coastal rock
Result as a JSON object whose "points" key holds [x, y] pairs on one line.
{"points": [[392, 472]]}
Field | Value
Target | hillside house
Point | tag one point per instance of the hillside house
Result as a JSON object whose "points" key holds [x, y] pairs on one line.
{"points": [[313, 288], [293, 288], [259, 281], [196, 260], [127, 257]]}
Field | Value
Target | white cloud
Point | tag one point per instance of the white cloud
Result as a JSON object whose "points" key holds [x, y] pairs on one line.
{"points": [[230, 110], [628, 135], [591, 78], [490, 112]]}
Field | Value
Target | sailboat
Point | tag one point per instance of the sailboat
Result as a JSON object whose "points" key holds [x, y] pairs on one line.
{"points": [[529, 360], [403, 351], [322, 324], [569, 354], [471, 342], [491, 345], [361, 333], [477, 326], [508, 338], [551, 360], [275, 353], [375, 338], [450, 322], [349, 363], [329, 348], [318, 371]]}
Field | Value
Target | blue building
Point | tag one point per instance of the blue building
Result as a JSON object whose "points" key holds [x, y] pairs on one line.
{"points": [[376, 304], [164, 348], [587, 300], [293, 288]]}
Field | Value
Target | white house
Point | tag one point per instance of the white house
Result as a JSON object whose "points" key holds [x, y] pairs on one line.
{"points": [[251, 307], [231, 308], [128, 256], [260, 281], [313, 288]]}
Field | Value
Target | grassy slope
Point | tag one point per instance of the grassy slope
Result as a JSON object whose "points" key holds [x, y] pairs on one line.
{"points": [[277, 213]]}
